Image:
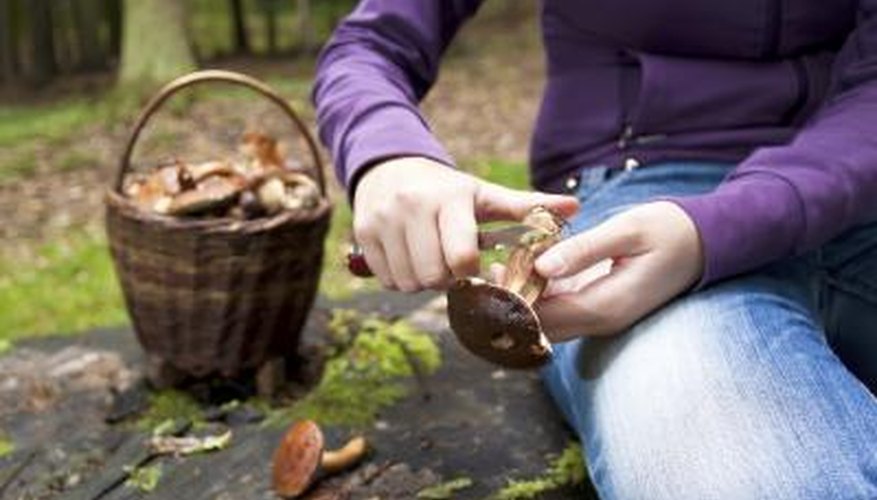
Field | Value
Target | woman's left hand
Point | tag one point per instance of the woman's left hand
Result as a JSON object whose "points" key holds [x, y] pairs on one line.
{"points": [[649, 254]]}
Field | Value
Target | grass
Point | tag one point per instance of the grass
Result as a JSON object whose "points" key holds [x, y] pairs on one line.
{"points": [[66, 286], [19, 162], [57, 121]]}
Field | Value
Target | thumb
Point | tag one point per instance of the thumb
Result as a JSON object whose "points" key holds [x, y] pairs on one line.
{"points": [[494, 202]]}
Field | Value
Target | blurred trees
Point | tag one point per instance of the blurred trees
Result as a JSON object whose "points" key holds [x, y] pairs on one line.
{"points": [[42, 40], [155, 46]]}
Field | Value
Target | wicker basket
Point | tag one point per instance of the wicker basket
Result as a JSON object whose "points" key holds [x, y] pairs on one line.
{"points": [[212, 297]]}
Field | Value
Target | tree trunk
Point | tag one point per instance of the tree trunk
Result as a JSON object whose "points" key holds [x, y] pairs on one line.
{"points": [[43, 62], [306, 26], [239, 27], [155, 47], [7, 44], [87, 21], [271, 25], [113, 11]]}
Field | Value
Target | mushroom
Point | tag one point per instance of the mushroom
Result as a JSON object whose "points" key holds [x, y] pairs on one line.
{"points": [[301, 460], [264, 152], [211, 194], [201, 171], [497, 322]]}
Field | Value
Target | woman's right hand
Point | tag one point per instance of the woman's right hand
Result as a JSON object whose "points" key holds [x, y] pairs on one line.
{"points": [[416, 220]]}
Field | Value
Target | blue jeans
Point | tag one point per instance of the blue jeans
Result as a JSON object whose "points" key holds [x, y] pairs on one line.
{"points": [[753, 388]]}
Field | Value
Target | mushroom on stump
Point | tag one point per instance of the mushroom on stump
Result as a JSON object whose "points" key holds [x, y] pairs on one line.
{"points": [[497, 322], [300, 460]]}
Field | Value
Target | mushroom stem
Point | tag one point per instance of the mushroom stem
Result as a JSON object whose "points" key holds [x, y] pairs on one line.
{"points": [[346, 456], [520, 277]]}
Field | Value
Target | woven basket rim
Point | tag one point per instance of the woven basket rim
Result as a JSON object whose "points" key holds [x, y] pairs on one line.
{"points": [[125, 207]]}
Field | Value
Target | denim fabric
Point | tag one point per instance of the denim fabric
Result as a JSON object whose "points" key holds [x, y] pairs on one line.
{"points": [[742, 390]]}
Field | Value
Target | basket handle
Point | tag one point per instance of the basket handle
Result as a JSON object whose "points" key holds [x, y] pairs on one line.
{"points": [[215, 75]]}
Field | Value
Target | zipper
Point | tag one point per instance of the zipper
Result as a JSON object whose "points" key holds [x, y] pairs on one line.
{"points": [[773, 27]]}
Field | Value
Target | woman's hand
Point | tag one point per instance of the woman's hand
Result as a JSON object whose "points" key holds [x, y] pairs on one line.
{"points": [[648, 254], [416, 220]]}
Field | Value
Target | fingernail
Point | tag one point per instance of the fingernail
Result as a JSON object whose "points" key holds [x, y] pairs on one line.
{"points": [[549, 263]]}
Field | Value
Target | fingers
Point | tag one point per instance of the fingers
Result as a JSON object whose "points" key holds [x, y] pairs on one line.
{"points": [[613, 239], [425, 251], [377, 262], [399, 261], [459, 237], [494, 202], [604, 307]]}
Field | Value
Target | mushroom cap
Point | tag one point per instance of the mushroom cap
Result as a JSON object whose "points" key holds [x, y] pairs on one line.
{"points": [[497, 324], [211, 194], [297, 459]]}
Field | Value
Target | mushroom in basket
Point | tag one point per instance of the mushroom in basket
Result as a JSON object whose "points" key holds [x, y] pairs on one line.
{"points": [[259, 184]]}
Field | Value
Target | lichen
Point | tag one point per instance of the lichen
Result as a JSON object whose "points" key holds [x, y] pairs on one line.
{"points": [[568, 469], [445, 490], [6, 445], [144, 479], [367, 376]]}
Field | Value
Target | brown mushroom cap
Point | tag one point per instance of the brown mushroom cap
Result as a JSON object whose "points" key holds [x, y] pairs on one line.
{"points": [[211, 194], [497, 324], [297, 459]]}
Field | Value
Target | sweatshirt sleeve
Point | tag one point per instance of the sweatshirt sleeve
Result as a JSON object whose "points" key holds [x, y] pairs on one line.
{"points": [[792, 198], [372, 74]]}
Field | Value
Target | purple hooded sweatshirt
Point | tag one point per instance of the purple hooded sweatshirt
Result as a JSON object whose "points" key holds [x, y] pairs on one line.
{"points": [[786, 89]]}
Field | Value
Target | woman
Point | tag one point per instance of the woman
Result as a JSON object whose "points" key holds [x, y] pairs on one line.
{"points": [[725, 157]]}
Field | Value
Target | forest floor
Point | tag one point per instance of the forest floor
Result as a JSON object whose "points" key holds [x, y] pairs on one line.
{"points": [[480, 429]]}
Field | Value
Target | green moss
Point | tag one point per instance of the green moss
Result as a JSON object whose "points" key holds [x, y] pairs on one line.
{"points": [[566, 470], [168, 405], [366, 377], [144, 479], [5, 346], [445, 490], [6, 446]]}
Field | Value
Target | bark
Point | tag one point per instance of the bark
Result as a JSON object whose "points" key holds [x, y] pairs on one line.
{"points": [[239, 27], [155, 45]]}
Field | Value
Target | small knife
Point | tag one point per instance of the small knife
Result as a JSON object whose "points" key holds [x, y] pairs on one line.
{"points": [[488, 239]]}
